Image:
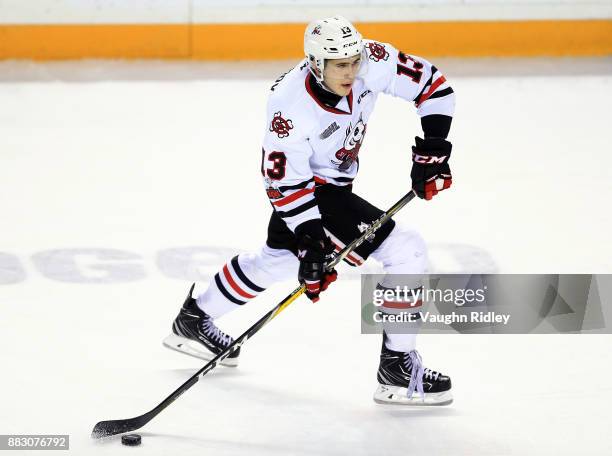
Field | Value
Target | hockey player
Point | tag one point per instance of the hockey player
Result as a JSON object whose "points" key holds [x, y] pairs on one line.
{"points": [[317, 119]]}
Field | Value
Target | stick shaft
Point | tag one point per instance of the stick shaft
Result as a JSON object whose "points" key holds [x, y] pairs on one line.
{"points": [[113, 427]]}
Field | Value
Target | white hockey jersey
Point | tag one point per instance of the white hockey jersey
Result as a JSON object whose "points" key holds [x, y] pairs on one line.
{"points": [[307, 142]]}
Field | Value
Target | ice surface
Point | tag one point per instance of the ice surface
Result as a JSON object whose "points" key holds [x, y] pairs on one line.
{"points": [[145, 157]]}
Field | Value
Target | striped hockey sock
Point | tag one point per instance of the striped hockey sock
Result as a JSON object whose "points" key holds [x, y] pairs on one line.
{"points": [[230, 288]]}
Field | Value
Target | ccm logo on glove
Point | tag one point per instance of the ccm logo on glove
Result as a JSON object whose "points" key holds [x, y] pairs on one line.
{"points": [[430, 170], [427, 159]]}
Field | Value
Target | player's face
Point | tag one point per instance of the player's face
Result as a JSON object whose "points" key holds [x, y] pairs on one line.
{"points": [[339, 74]]}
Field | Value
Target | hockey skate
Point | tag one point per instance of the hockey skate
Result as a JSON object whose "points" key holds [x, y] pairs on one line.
{"points": [[194, 333], [403, 380]]}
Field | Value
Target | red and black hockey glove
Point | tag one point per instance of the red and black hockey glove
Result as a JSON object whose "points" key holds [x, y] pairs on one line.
{"points": [[314, 250], [430, 170]]}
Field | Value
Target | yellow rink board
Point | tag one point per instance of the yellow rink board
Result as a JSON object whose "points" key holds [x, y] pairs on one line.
{"points": [[284, 41]]}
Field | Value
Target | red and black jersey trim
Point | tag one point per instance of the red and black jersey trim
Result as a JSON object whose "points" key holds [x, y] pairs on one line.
{"points": [[293, 197], [430, 88], [427, 84], [344, 179], [310, 83], [298, 210], [243, 277], [226, 293], [304, 184], [434, 70], [442, 93]]}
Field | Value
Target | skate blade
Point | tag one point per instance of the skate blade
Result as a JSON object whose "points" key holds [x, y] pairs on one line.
{"points": [[395, 395], [195, 349]]}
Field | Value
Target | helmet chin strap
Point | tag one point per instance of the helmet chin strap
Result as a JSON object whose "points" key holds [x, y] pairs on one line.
{"points": [[324, 87], [321, 83]]}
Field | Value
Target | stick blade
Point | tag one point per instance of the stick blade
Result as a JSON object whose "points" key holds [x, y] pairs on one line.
{"points": [[114, 427]]}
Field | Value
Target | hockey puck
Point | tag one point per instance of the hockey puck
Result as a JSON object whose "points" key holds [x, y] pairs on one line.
{"points": [[131, 439]]}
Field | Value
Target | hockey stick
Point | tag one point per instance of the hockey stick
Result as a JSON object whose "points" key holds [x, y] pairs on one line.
{"points": [[114, 427]]}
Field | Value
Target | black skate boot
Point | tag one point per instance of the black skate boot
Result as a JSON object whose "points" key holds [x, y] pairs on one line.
{"points": [[194, 333], [403, 380]]}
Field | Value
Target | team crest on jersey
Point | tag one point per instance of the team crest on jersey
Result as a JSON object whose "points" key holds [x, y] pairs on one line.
{"points": [[378, 52], [352, 143], [281, 126]]}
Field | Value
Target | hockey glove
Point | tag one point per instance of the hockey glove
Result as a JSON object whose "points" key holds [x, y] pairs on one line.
{"points": [[430, 170], [314, 250]]}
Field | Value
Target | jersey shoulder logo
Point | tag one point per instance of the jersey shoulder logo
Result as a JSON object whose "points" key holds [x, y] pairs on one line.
{"points": [[378, 52], [363, 95], [281, 126]]}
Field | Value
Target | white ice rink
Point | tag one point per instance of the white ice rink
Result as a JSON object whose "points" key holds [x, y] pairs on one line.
{"points": [[151, 172]]}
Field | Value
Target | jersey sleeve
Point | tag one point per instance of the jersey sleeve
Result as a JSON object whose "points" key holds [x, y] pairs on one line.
{"points": [[411, 78], [288, 178]]}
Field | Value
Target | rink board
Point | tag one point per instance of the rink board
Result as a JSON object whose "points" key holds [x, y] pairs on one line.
{"points": [[261, 41]]}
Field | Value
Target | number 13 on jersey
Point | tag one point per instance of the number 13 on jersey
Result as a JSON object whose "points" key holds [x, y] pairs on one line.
{"points": [[279, 162]]}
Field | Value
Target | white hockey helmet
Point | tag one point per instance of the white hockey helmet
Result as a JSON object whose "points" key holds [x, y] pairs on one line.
{"points": [[330, 38]]}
